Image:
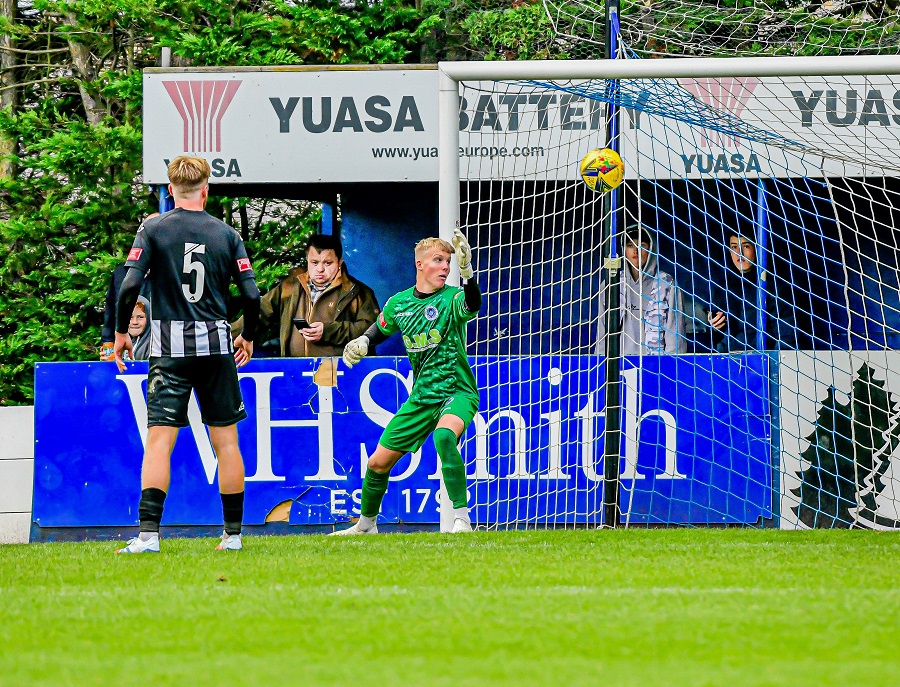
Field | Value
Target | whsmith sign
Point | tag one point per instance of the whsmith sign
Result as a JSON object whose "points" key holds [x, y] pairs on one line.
{"points": [[533, 454], [308, 125]]}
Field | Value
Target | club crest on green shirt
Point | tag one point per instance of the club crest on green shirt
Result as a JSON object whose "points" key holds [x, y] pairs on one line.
{"points": [[434, 334]]}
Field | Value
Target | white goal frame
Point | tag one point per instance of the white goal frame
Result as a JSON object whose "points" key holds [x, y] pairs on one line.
{"points": [[452, 73]]}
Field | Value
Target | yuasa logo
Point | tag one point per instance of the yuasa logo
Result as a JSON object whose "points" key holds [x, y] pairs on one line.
{"points": [[730, 95], [202, 104]]}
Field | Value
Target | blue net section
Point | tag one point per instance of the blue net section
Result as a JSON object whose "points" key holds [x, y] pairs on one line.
{"points": [[667, 98]]}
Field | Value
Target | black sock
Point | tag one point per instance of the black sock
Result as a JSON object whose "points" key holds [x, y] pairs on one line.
{"points": [[233, 510], [150, 509]]}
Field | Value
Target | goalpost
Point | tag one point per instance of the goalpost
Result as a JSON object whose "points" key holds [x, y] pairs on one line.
{"points": [[788, 415]]}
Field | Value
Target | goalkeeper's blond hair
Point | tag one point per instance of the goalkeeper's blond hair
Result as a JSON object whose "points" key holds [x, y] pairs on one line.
{"points": [[425, 245], [188, 174]]}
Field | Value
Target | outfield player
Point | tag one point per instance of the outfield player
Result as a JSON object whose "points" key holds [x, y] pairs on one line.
{"points": [[432, 318], [193, 258]]}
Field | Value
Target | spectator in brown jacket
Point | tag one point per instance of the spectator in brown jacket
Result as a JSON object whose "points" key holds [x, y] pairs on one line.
{"points": [[337, 307]]}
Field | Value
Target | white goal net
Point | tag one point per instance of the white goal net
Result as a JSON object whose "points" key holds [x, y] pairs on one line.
{"points": [[746, 372], [741, 28]]}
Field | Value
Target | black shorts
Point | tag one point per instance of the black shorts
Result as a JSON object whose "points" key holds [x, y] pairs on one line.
{"points": [[213, 377]]}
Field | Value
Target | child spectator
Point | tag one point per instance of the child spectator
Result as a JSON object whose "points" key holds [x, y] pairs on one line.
{"points": [[650, 302]]}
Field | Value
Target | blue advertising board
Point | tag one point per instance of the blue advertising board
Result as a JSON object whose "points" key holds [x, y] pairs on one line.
{"points": [[696, 443]]}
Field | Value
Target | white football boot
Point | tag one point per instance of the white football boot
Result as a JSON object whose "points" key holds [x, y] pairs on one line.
{"points": [[138, 545], [230, 542], [357, 528], [461, 525]]}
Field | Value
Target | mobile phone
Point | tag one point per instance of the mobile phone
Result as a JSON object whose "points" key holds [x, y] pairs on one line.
{"points": [[300, 323]]}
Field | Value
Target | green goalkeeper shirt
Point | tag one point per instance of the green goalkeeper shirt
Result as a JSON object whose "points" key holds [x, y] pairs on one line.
{"points": [[434, 333]]}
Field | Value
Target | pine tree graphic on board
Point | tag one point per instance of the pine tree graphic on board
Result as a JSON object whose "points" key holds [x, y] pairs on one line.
{"points": [[849, 452], [828, 488], [880, 414]]}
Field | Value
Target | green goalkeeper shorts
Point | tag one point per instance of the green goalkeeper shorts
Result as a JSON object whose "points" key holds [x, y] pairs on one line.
{"points": [[414, 422]]}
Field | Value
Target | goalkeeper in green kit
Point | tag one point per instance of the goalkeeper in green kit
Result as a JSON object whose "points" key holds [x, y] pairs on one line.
{"points": [[432, 318]]}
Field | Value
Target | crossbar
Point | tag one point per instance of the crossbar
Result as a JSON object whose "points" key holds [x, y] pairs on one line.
{"points": [[672, 68]]}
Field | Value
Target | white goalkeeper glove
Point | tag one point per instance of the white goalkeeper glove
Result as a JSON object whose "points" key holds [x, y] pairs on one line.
{"points": [[463, 254], [356, 350]]}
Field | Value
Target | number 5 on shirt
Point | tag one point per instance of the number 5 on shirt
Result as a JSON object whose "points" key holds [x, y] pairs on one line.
{"points": [[191, 265]]}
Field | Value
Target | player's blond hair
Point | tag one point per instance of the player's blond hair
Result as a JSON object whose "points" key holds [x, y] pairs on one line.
{"points": [[188, 174], [425, 245]]}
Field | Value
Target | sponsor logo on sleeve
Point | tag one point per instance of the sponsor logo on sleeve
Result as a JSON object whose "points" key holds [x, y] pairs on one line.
{"points": [[135, 253], [244, 265], [382, 321]]}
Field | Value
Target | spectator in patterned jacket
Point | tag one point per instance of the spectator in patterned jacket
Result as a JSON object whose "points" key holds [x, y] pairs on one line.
{"points": [[651, 308]]}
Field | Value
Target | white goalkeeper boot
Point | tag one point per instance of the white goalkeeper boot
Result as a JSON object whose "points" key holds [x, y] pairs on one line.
{"points": [[362, 526], [461, 521]]}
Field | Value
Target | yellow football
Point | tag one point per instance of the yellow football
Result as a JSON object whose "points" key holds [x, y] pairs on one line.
{"points": [[602, 170]]}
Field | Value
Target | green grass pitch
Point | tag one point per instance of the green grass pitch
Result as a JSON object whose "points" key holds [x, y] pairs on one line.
{"points": [[619, 608]]}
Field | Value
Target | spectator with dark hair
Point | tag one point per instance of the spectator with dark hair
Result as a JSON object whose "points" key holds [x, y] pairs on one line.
{"points": [[736, 319], [318, 308]]}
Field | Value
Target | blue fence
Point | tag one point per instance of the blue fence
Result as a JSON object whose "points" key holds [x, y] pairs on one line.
{"points": [[696, 443]]}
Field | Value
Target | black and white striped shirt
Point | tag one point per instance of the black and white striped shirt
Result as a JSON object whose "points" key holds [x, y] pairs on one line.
{"points": [[179, 339], [193, 257]]}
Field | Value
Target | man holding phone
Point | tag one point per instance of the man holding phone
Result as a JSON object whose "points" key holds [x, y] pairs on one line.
{"points": [[319, 308]]}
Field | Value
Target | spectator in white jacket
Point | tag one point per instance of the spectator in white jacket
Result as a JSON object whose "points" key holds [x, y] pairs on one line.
{"points": [[651, 308]]}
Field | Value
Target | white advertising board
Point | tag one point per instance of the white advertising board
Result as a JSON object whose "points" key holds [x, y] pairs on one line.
{"points": [[362, 125], [840, 439], [292, 126]]}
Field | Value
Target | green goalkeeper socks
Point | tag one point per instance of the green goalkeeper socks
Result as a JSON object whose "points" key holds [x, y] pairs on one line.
{"points": [[451, 466], [376, 483], [374, 486]]}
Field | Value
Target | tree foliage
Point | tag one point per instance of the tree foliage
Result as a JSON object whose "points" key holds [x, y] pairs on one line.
{"points": [[520, 32], [490, 30], [71, 197]]}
